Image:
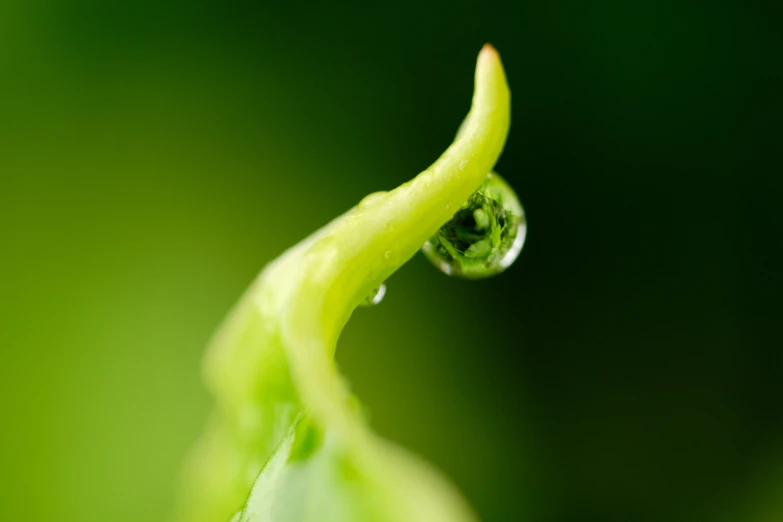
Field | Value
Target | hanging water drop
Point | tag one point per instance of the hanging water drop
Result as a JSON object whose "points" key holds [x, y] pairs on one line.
{"points": [[484, 237], [375, 297]]}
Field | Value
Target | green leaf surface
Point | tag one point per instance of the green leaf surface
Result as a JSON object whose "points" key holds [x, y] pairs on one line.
{"points": [[287, 442]]}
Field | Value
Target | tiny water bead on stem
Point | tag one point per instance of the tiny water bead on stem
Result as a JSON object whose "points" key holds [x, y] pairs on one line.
{"points": [[375, 297], [484, 237]]}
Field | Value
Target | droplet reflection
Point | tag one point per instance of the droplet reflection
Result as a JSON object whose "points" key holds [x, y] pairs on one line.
{"points": [[484, 237]]}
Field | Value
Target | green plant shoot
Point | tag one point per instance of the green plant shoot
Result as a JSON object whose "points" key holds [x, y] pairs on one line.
{"points": [[287, 442]]}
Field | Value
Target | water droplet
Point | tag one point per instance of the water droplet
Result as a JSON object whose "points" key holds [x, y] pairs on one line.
{"points": [[375, 297], [387, 255], [484, 237]]}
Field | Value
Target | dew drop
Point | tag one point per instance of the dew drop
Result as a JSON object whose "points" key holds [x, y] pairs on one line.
{"points": [[484, 237], [375, 297]]}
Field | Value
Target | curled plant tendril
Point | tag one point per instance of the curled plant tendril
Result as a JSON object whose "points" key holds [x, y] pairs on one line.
{"points": [[287, 441]]}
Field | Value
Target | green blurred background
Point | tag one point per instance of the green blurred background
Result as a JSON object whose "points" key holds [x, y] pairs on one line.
{"points": [[154, 156]]}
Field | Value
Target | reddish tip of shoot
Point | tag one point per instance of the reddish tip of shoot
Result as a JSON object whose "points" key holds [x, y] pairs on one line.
{"points": [[489, 49]]}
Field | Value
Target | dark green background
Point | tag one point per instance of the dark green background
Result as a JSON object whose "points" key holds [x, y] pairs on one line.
{"points": [[154, 156]]}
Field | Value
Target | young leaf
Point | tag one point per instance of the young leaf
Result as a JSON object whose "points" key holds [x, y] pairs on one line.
{"points": [[287, 442]]}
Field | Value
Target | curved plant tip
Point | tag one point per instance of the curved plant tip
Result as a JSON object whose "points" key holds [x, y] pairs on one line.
{"points": [[287, 442]]}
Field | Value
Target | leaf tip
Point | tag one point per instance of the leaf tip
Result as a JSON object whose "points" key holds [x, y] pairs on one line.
{"points": [[489, 50]]}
